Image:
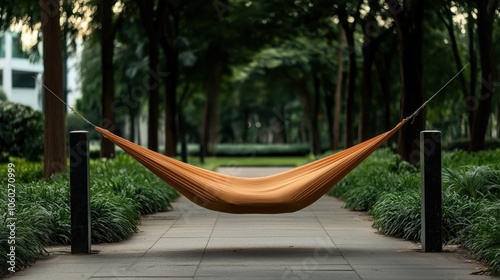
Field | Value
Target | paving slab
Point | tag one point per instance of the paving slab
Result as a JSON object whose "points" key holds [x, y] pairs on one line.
{"points": [[322, 241]]}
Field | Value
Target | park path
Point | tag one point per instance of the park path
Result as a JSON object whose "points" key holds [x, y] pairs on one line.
{"points": [[323, 241]]}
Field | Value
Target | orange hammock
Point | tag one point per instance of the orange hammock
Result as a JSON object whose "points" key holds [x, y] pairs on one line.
{"points": [[286, 192]]}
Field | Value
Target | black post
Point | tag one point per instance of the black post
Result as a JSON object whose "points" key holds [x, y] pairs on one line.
{"points": [[430, 173], [80, 192]]}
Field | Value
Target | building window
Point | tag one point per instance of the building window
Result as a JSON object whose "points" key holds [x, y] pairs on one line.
{"points": [[22, 79], [17, 47], [1, 77], [2, 45]]}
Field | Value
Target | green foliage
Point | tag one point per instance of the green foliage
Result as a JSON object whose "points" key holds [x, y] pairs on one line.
{"points": [[457, 159], [113, 217], [121, 190], [257, 150], [21, 131], [458, 213], [26, 171], [31, 235], [482, 235], [3, 96], [74, 122], [463, 144], [52, 196], [389, 189], [398, 214], [383, 172], [474, 181]]}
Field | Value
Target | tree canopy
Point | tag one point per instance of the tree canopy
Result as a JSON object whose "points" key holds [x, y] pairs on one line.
{"points": [[307, 71]]}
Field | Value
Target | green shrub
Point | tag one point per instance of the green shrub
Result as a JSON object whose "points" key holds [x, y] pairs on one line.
{"points": [[113, 217], [255, 150], [389, 189], [381, 160], [54, 197], [473, 181], [26, 171], [127, 177], [380, 173], [463, 144], [31, 234], [458, 159], [149, 197], [3, 96], [21, 131], [482, 236], [121, 190], [458, 213], [398, 214]]}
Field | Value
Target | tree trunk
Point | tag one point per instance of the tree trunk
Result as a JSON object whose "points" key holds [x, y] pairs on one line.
{"points": [[182, 122], [313, 117], [284, 134], [171, 101], [246, 122], [351, 78], [182, 135], [168, 26], [469, 104], [384, 67], [329, 97], [409, 29], [485, 18], [448, 22], [146, 9], [108, 85], [370, 48], [213, 79], [132, 116], [133, 111], [154, 98], [366, 90], [338, 92], [54, 123], [498, 119], [65, 77]]}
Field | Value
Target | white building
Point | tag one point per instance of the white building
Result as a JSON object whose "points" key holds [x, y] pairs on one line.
{"points": [[17, 72]]}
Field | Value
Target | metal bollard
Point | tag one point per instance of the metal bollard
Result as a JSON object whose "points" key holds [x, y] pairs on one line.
{"points": [[430, 173], [80, 192]]}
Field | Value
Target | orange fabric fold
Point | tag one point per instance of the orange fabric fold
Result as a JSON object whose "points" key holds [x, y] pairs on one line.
{"points": [[285, 192]]}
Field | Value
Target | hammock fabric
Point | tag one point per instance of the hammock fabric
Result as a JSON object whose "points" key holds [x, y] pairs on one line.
{"points": [[285, 192]]}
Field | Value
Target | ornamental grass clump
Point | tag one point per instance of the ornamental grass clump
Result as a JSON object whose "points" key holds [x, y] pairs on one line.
{"points": [[390, 190], [30, 237], [474, 181], [482, 235], [128, 178], [398, 214], [113, 217], [121, 190]]}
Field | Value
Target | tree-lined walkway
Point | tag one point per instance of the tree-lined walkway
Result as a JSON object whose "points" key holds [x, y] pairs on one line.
{"points": [[323, 241]]}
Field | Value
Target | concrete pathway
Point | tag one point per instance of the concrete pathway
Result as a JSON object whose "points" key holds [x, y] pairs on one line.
{"points": [[323, 241]]}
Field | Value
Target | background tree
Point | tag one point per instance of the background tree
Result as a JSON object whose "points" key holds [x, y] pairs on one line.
{"points": [[348, 14], [208, 47], [55, 136], [374, 35], [408, 17], [108, 31], [151, 22], [486, 14]]}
